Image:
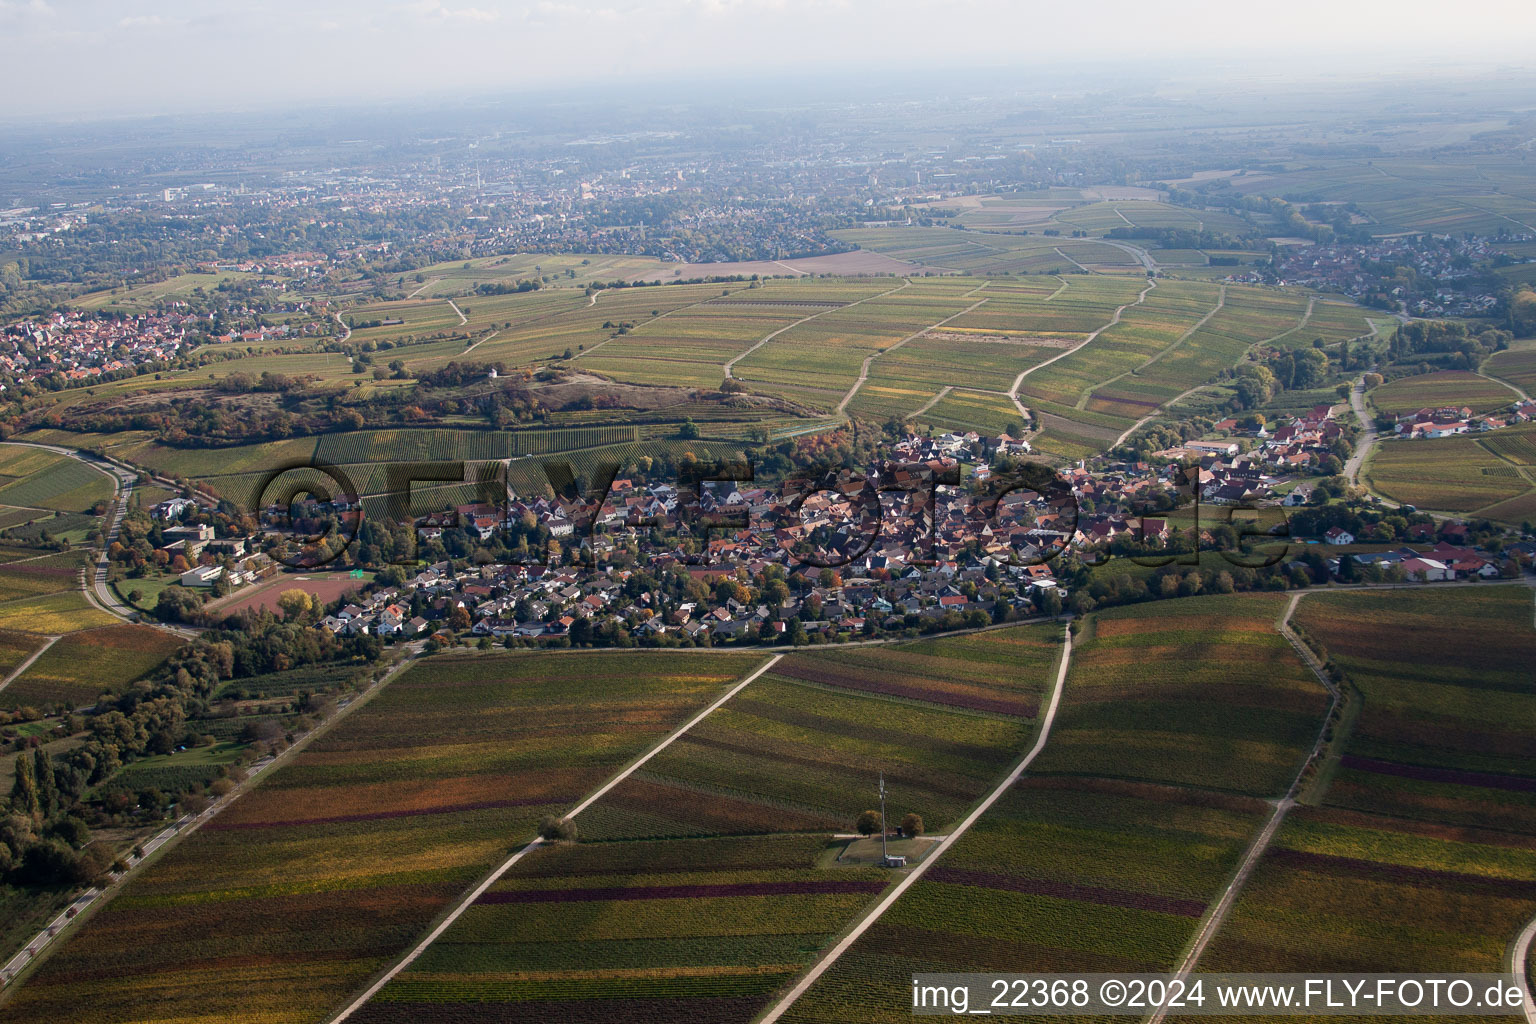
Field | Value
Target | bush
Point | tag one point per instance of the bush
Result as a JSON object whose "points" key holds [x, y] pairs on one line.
{"points": [[868, 823], [912, 825], [553, 829]]}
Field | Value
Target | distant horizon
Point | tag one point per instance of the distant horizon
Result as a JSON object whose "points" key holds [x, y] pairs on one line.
{"points": [[93, 61]]}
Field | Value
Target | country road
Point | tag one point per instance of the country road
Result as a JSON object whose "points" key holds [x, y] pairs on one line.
{"points": [[1520, 954], [98, 591], [890, 898], [1018, 381], [1368, 437], [1221, 302]]}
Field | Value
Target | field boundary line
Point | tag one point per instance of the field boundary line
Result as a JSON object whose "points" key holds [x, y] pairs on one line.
{"points": [[1072, 261], [482, 341], [890, 898], [730, 363], [1176, 399], [1500, 380], [1216, 916], [469, 898], [19, 669]]}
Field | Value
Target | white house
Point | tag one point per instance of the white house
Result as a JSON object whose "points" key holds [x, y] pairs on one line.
{"points": [[1427, 569]]}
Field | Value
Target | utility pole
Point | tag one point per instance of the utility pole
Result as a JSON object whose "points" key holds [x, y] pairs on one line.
{"points": [[884, 854]]}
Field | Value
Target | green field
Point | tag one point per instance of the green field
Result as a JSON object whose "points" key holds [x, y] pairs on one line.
{"points": [[1455, 388], [1488, 474], [64, 612], [1060, 875], [1516, 365], [796, 751], [1445, 680], [34, 478], [1197, 692]]}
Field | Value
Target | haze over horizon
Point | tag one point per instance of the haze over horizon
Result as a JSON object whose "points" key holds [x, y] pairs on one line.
{"points": [[96, 57]]}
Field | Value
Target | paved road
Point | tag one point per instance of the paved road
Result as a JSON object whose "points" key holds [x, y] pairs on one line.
{"points": [[955, 833], [1368, 437], [1141, 254], [1519, 955], [468, 899], [98, 592]]}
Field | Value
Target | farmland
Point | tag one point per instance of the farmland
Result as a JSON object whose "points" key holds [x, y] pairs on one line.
{"points": [[1177, 720], [335, 862], [1422, 855], [63, 612], [1484, 474], [1163, 343], [952, 346], [801, 744], [989, 252], [689, 930], [1516, 365], [1454, 388], [1445, 681], [1060, 875], [81, 666], [1199, 692], [38, 574], [34, 478], [666, 912]]}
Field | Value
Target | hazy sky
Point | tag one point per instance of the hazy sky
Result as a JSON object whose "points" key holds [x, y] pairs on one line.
{"points": [[142, 56]]}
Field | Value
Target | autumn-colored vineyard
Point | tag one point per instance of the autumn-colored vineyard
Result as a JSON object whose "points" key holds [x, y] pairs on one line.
{"points": [[333, 865]]}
